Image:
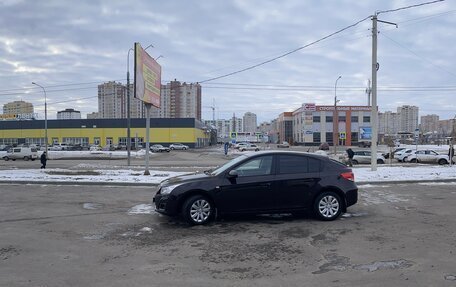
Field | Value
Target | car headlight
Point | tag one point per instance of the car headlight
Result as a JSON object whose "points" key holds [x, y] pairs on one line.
{"points": [[168, 189]]}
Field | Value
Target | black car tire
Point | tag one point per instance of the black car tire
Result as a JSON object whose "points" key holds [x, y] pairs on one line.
{"points": [[184, 148], [197, 210], [380, 161], [413, 160], [328, 206], [442, 161], [6, 158], [354, 161], [172, 148], [26, 158]]}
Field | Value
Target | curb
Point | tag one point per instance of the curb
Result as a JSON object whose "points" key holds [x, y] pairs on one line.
{"points": [[102, 183]]}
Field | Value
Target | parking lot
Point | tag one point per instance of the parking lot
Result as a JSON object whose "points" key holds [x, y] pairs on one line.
{"points": [[397, 235]]}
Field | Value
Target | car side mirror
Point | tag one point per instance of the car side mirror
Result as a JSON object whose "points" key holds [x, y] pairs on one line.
{"points": [[233, 173]]}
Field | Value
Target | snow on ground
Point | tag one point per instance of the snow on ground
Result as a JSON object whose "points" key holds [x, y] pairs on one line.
{"points": [[64, 175], [363, 175]]}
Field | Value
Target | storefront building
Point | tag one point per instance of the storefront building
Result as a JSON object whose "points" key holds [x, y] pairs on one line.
{"points": [[314, 124], [102, 132]]}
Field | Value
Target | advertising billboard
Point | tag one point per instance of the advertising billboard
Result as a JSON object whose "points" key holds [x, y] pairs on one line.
{"points": [[147, 77], [365, 133]]}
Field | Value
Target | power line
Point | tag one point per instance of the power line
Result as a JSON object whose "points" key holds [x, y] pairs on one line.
{"points": [[408, 7], [287, 53], [61, 85], [418, 56]]}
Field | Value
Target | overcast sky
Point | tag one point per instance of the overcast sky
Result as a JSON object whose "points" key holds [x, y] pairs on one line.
{"points": [[69, 47]]}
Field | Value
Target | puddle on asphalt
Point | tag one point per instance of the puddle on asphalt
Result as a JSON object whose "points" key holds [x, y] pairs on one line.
{"points": [[94, 237], [92, 205], [142, 209], [355, 214], [384, 265]]}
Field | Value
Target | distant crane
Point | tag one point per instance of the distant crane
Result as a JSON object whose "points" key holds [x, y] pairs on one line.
{"points": [[213, 111]]}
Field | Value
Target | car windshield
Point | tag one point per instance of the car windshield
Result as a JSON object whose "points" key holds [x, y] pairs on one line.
{"points": [[228, 165]]}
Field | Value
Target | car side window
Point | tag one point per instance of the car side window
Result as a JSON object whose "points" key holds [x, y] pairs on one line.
{"points": [[257, 166], [290, 164]]}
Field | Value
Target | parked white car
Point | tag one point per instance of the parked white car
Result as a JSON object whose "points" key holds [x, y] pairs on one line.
{"points": [[427, 156], [364, 157], [178, 146], [400, 155], [253, 147], [25, 153]]}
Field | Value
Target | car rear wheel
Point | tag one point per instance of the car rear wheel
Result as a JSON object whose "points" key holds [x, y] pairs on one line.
{"points": [[443, 161], [413, 160], [354, 161], [26, 158], [328, 206], [380, 161], [197, 210]]}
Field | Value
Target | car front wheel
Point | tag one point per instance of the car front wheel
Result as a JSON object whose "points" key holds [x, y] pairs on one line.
{"points": [[6, 158], [197, 210], [328, 206]]}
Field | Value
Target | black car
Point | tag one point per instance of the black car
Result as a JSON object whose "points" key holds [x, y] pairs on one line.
{"points": [[262, 182]]}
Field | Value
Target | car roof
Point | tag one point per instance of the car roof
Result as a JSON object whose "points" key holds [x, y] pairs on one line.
{"points": [[278, 152]]}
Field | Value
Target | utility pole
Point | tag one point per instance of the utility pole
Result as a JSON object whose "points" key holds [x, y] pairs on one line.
{"points": [[374, 112], [374, 108], [336, 119]]}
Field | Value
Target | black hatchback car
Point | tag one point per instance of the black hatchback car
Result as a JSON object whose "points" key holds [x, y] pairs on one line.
{"points": [[262, 182]]}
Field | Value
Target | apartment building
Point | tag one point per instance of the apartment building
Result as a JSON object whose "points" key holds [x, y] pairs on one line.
{"points": [[408, 120], [68, 114], [250, 122], [429, 123], [17, 107]]}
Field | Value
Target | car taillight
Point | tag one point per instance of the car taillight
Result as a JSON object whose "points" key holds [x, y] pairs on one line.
{"points": [[348, 176]]}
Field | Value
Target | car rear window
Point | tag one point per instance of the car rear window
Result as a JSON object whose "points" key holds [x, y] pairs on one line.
{"points": [[289, 164]]}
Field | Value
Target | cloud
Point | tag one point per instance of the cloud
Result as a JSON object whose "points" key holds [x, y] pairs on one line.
{"points": [[56, 42]]}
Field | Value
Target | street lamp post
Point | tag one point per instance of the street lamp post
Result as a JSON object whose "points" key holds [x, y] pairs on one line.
{"points": [[335, 118], [45, 119], [128, 109]]}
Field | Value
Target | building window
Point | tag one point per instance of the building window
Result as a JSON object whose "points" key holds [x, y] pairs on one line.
{"points": [[354, 137], [316, 119], [329, 138], [366, 119], [316, 137], [354, 119], [341, 118], [329, 119]]}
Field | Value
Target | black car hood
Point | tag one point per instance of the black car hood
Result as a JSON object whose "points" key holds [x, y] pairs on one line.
{"points": [[184, 179]]}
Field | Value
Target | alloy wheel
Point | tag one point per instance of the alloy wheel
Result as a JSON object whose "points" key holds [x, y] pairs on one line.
{"points": [[328, 206], [200, 211]]}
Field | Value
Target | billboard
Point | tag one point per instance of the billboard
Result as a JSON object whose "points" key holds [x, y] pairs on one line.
{"points": [[147, 77], [365, 133]]}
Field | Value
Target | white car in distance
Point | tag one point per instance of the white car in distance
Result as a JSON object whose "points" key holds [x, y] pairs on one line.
{"points": [[427, 156]]}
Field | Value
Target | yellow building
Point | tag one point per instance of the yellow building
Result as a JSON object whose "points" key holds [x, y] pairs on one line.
{"points": [[164, 131]]}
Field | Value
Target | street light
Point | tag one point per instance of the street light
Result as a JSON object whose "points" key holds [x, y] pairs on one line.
{"points": [[335, 118], [128, 106], [45, 119]]}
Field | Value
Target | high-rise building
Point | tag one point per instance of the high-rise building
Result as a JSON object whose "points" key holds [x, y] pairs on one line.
{"points": [[69, 114], [408, 118], [429, 123], [388, 123], [179, 100], [112, 102], [18, 107], [250, 122]]}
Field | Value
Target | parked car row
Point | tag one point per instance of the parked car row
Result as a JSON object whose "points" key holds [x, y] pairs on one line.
{"points": [[402, 155]]}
